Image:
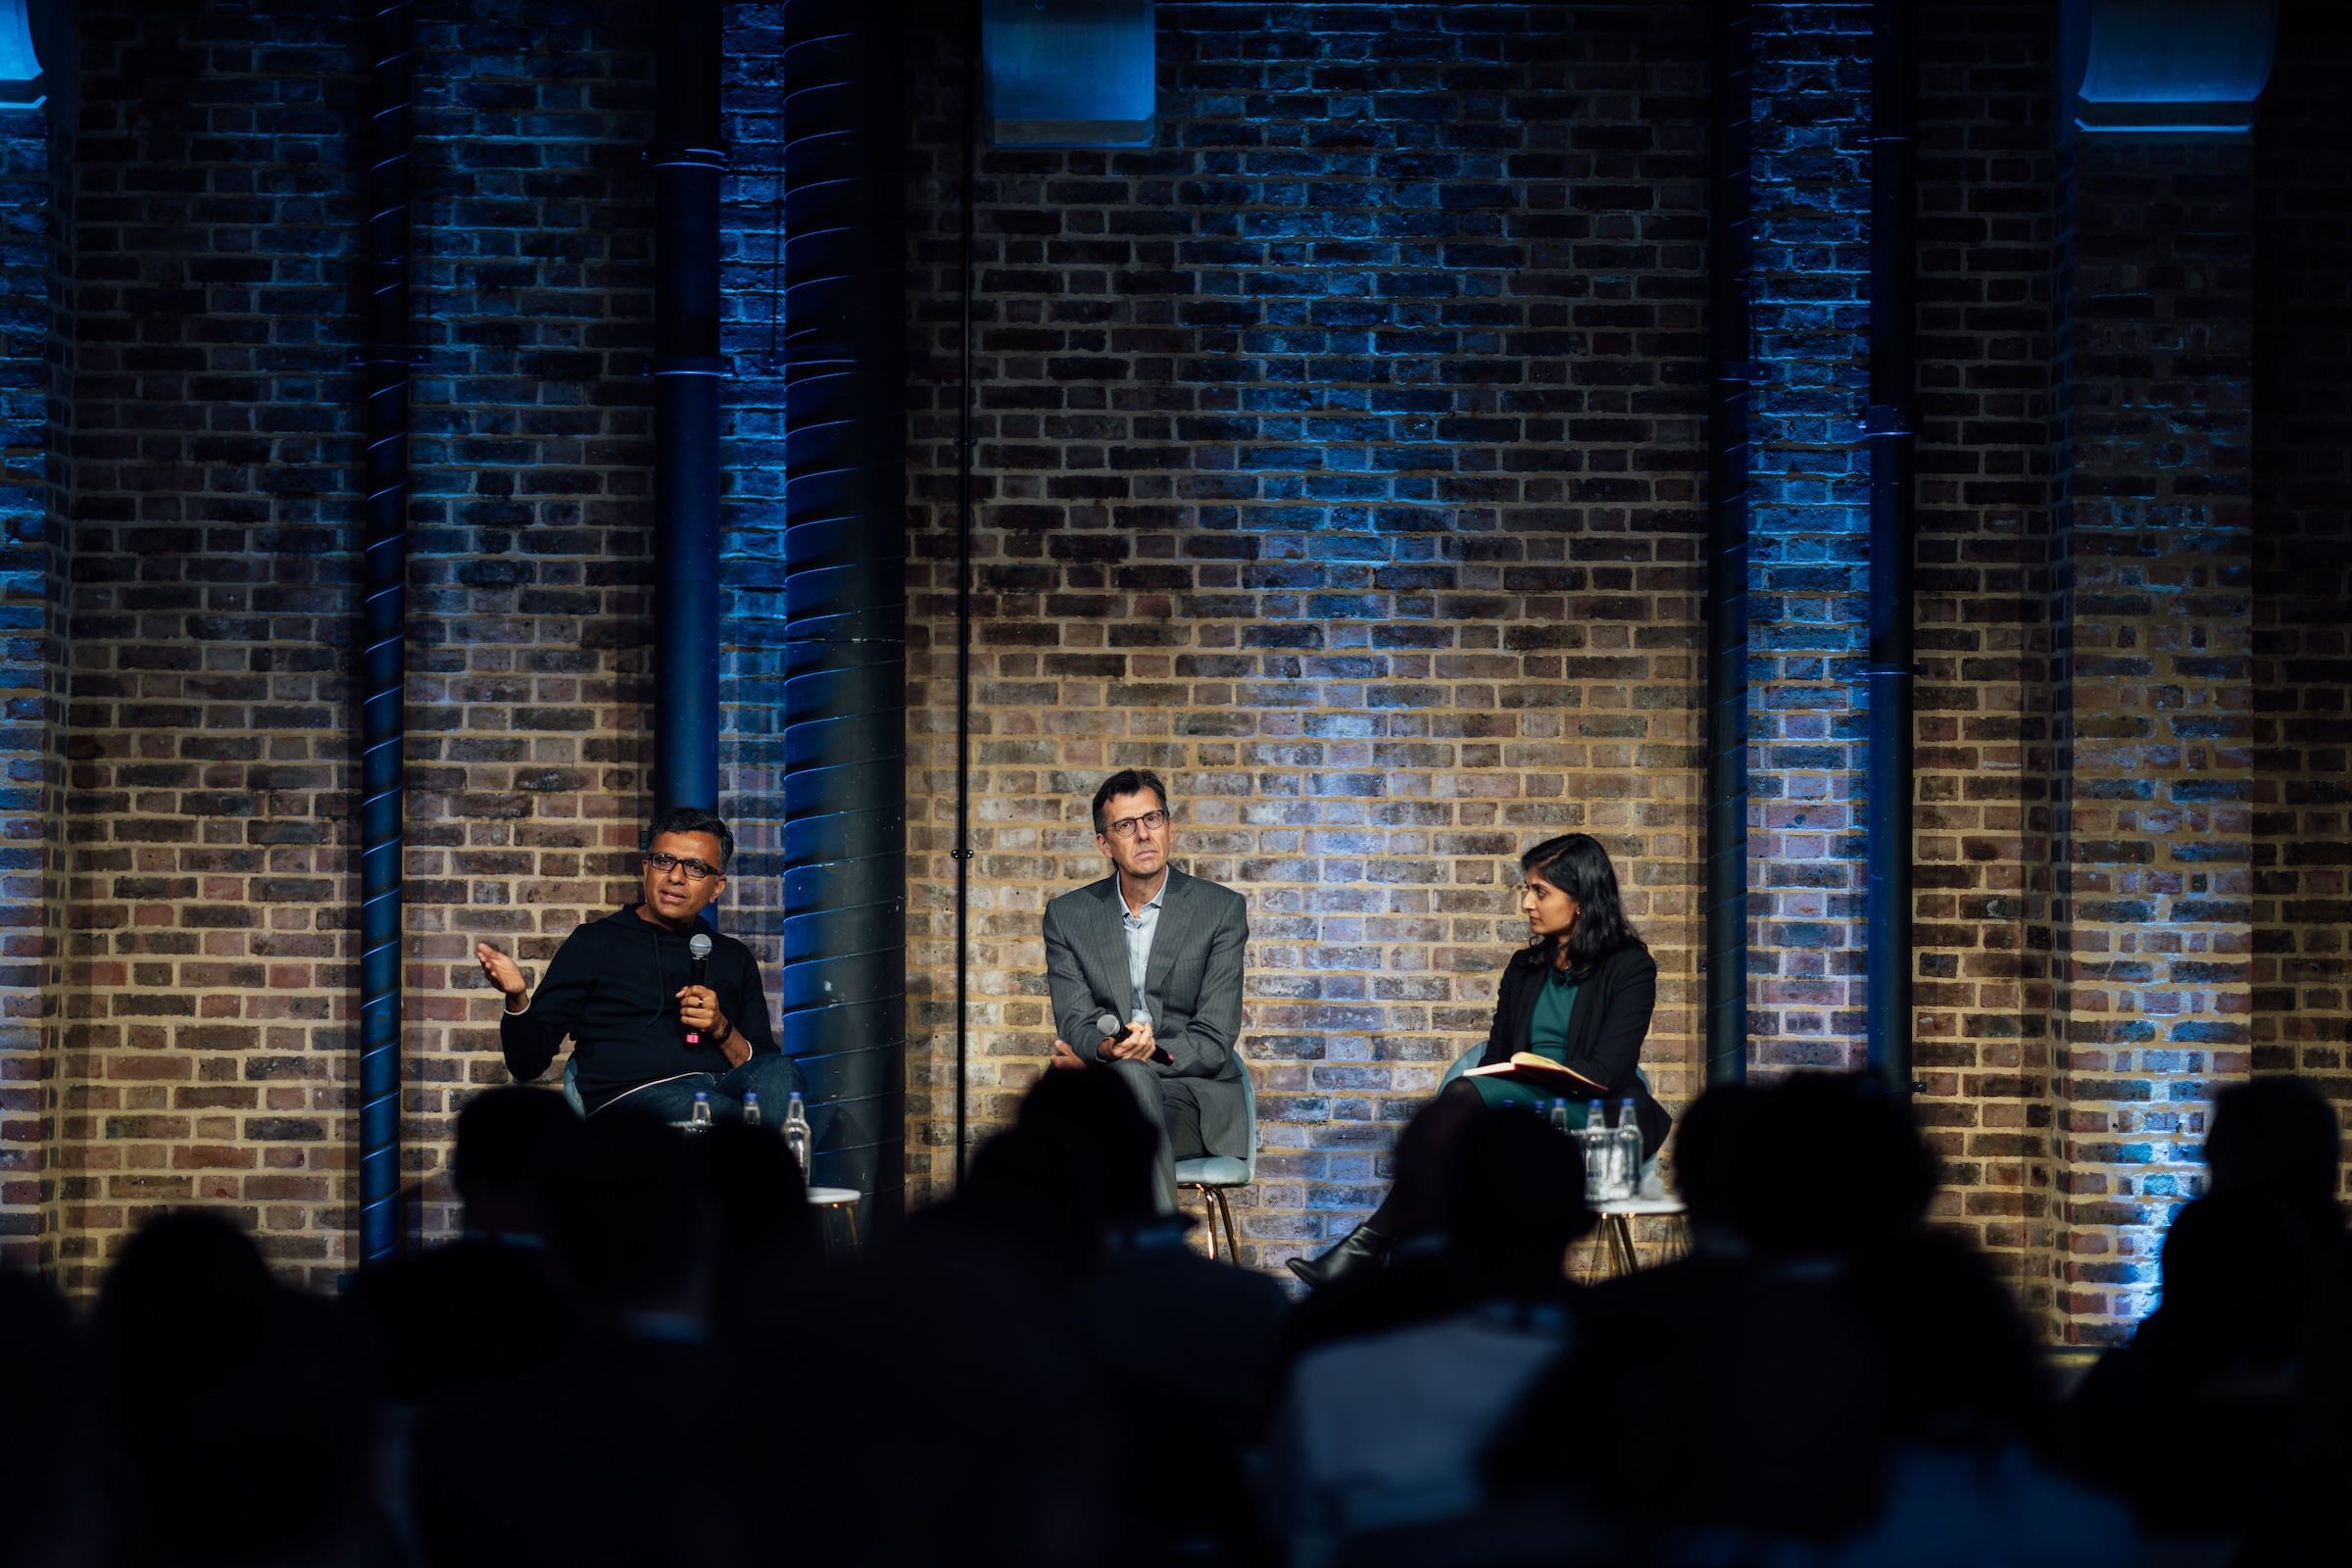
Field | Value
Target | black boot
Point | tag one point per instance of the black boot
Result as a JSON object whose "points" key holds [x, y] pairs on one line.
{"points": [[1364, 1249]]}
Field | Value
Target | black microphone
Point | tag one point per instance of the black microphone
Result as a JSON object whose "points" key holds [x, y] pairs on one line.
{"points": [[698, 963]]}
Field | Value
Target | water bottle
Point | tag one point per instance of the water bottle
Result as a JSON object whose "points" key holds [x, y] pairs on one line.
{"points": [[1559, 1117], [701, 1110], [1597, 1142], [795, 1133], [1628, 1149], [750, 1108]]}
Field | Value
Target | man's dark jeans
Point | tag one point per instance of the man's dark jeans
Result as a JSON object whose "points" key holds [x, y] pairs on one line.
{"points": [[770, 1074]]}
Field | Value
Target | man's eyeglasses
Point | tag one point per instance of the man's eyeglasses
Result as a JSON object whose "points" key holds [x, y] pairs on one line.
{"points": [[1125, 826], [695, 871]]}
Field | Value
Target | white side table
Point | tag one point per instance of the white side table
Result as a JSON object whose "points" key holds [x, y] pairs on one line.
{"points": [[1617, 1229]]}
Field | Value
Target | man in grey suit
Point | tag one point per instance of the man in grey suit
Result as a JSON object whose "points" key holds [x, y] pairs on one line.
{"points": [[1144, 967]]}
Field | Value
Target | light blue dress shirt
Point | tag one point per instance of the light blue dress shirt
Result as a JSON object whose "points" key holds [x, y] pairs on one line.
{"points": [[1141, 926]]}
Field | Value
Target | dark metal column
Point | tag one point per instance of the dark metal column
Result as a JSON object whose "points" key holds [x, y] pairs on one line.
{"points": [[1889, 426], [845, 766], [1730, 375], [687, 378], [384, 364]]}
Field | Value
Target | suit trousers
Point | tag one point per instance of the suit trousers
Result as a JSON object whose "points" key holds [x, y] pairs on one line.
{"points": [[1176, 1111]]}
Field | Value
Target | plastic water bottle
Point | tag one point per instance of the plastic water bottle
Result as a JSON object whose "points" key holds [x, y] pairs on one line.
{"points": [[701, 1110], [750, 1108], [796, 1134], [1559, 1117], [1596, 1144], [1628, 1149]]}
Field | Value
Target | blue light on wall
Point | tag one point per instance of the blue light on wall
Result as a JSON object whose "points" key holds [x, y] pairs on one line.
{"points": [[1069, 72]]}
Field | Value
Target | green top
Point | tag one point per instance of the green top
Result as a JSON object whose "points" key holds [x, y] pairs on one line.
{"points": [[1548, 1029], [1546, 1035]]}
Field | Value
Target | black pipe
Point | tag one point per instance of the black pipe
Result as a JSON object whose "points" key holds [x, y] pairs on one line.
{"points": [[845, 548], [688, 372], [964, 439], [1889, 427], [384, 363], [1730, 252]]}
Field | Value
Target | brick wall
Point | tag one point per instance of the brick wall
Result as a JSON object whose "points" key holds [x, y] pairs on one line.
{"points": [[30, 682], [210, 989], [1340, 458], [203, 996], [529, 665], [2152, 696], [1987, 175], [1808, 577], [2303, 557]]}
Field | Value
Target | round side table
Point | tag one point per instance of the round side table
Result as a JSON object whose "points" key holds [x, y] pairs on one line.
{"points": [[841, 1200], [1617, 1229]]}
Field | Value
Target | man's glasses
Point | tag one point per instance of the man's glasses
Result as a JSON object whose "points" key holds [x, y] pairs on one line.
{"points": [[1125, 826], [696, 871]]}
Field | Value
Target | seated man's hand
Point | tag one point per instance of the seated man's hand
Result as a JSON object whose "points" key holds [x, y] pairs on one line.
{"points": [[1138, 1045], [1064, 1057]]}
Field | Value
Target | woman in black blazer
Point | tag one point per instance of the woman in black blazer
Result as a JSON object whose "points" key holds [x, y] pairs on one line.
{"points": [[1579, 993]]}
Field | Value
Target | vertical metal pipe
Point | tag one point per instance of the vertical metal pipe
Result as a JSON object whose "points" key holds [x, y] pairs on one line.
{"points": [[1730, 375], [964, 438], [1889, 427], [687, 161], [845, 693], [383, 617]]}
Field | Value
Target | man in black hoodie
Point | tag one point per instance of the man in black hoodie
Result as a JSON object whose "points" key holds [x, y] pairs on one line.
{"points": [[644, 1034]]}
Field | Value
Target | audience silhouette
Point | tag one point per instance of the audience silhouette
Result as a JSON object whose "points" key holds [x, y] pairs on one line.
{"points": [[231, 1421], [639, 1352], [2247, 1349]]}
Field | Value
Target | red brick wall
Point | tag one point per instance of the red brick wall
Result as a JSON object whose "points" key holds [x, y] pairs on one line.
{"points": [[1339, 459], [210, 989]]}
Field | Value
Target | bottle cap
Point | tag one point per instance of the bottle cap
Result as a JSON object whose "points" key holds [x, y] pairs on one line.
{"points": [[750, 1097], [702, 1094]]}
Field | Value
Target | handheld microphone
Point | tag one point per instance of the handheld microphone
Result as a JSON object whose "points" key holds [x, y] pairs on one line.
{"points": [[698, 963]]}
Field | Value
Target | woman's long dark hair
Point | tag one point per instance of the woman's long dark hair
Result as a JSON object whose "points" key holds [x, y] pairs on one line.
{"points": [[1576, 865]]}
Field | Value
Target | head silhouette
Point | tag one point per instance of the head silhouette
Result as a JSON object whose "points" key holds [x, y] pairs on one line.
{"points": [[2279, 1139], [1836, 1136], [1514, 1200]]}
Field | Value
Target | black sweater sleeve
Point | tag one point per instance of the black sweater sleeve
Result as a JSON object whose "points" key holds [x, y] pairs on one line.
{"points": [[752, 1022], [530, 1039]]}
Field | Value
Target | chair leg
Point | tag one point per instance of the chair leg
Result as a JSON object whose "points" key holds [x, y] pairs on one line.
{"points": [[1208, 1214], [1233, 1243]]}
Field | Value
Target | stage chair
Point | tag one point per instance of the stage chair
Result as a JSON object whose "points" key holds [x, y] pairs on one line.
{"points": [[1214, 1174]]}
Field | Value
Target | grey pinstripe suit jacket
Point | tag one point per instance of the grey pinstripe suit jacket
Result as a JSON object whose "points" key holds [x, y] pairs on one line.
{"points": [[1192, 987]]}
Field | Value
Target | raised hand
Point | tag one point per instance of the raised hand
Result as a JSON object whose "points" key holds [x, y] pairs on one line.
{"points": [[503, 973]]}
